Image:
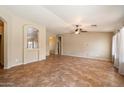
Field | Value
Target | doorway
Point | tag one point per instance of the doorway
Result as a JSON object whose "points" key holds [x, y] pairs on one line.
{"points": [[1, 44], [59, 45], [52, 45]]}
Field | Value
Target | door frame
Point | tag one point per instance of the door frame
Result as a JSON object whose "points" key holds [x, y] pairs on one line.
{"points": [[61, 50], [5, 43]]}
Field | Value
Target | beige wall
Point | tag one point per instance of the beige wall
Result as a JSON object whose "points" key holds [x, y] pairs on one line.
{"points": [[14, 38], [90, 45]]}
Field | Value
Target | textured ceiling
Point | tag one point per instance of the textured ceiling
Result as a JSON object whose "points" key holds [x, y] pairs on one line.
{"points": [[61, 18]]}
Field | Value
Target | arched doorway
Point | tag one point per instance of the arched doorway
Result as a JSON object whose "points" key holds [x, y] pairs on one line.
{"points": [[3, 44]]}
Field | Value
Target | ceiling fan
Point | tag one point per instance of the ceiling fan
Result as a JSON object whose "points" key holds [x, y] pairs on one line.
{"points": [[78, 29]]}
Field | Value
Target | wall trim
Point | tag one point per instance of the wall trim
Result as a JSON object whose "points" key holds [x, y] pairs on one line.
{"points": [[11, 66], [105, 59], [14, 65]]}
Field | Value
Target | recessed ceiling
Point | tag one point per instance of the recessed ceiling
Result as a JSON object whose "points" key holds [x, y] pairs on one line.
{"points": [[62, 18]]}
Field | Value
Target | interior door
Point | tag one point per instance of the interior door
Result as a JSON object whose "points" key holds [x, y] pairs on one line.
{"points": [[31, 44]]}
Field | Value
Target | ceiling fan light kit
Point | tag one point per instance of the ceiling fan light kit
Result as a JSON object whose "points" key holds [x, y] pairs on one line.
{"points": [[77, 32], [78, 29]]}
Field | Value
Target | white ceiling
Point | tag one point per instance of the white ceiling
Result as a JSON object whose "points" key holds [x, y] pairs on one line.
{"points": [[61, 18]]}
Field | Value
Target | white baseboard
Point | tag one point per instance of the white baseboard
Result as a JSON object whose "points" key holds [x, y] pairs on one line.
{"points": [[106, 59], [22, 63], [8, 67]]}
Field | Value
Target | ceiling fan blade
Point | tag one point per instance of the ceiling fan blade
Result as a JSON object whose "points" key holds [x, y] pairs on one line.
{"points": [[83, 31], [76, 30]]}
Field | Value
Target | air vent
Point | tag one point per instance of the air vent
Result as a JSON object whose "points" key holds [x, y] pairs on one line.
{"points": [[94, 25]]}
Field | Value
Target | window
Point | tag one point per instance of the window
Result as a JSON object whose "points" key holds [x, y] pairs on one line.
{"points": [[32, 38]]}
